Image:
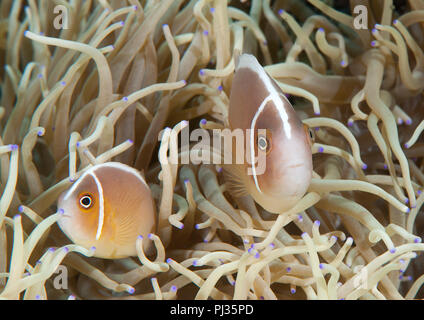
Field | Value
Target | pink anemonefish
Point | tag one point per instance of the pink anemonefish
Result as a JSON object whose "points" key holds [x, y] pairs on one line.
{"points": [[257, 102], [108, 207]]}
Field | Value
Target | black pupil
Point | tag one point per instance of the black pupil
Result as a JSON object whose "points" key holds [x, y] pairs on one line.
{"points": [[86, 201]]}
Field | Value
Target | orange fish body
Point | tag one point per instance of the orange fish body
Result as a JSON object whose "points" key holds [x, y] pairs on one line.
{"points": [[108, 207], [257, 102]]}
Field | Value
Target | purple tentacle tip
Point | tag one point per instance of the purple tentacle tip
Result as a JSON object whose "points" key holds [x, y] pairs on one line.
{"points": [[140, 237], [197, 227], [257, 255], [419, 191], [250, 250], [63, 83], [131, 290], [130, 141], [321, 29], [373, 43], [300, 218], [272, 245], [78, 144], [203, 121], [317, 223], [385, 166], [150, 235], [320, 149], [288, 269], [202, 72], [406, 145], [406, 200], [304, 234], [21, 208], [174, 288], [17, 216], [169, 260], [66, 249], [364, 166], [212, 10], [317, 113], [350, 123], [93, 248], [334, 237], [40, 76], [408, 210], [26, 33], [14, 147], [121, 23], [393, 250], [321, 266], [262, 297], [280, 12], [220, 88], [408, 122], [184, 82], [165, 25], [417, 240], [51, 249], [292, 290], [194, 263], [181, 226], [343, 63], [206, 32], [125, 98], [135, 7], [395, 21], [38, 297], [61, 211]]}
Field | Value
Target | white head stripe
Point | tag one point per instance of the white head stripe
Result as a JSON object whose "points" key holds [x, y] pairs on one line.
{"points": [[101, 205]]}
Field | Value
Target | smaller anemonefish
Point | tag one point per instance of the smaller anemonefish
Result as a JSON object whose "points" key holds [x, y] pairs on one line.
{"points": [[257, 102], [108, 207]]}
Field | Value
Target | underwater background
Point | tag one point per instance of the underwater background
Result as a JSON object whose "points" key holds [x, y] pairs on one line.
{"points": [[86, 83]]}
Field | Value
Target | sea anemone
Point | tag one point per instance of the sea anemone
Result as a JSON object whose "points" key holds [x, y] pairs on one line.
{"points": [[87, 82]]}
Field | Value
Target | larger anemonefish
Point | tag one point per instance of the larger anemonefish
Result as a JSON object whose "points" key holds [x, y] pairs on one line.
{"points": [[108, 207], [257, 102]]}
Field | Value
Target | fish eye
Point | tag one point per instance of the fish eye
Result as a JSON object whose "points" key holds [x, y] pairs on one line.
{"points": [[264, 143], [311, 134], [86, 201]]}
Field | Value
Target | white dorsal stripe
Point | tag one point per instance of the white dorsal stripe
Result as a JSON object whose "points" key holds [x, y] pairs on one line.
{"points": [[101, 205], [125, 168], [250, 62], [107, 164]]}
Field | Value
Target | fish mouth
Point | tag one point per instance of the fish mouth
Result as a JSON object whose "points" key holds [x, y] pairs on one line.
{"points": [[295, 166]]}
